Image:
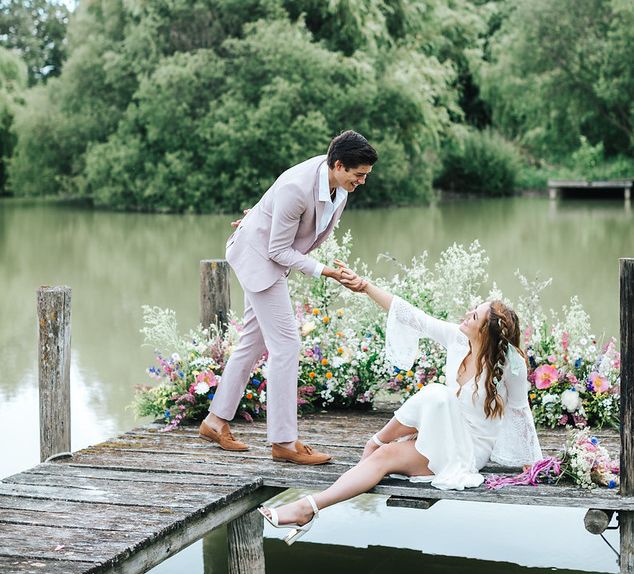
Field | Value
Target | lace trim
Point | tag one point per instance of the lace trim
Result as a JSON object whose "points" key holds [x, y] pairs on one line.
{"points": [[517, 442]]}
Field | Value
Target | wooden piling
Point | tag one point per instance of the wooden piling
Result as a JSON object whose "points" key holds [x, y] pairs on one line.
{"points": [[246, 544], [53, 310], [626, 519], [596, 521], [215, 297]]}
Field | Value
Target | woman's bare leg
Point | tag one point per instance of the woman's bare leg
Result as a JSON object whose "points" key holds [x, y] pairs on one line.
{"points": [[400, 457], [391, 431]]}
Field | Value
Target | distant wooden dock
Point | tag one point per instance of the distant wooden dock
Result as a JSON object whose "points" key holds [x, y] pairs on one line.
{"points": [[129, 503], [560, 188]]}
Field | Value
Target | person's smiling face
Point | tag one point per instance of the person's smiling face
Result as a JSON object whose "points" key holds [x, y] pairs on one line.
{"points": [[349, 178], [474, 319]]}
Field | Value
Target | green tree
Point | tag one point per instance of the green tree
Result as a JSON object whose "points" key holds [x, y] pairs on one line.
{"points": [[13, 79], [562, 70], [37, 30]]}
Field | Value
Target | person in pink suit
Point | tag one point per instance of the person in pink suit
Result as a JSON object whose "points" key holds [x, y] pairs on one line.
{"points": [[294, 217]]}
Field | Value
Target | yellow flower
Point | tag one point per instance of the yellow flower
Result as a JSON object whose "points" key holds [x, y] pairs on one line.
{"points": [[399, 377], [340, 350], [410, 373], [311, 374], [315, 311], [326, 320], [340, 312], [532, 396], [329, 375], [324, 362], [419, 386]]}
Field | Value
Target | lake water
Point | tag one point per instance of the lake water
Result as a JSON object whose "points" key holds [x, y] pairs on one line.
{"points": [[117, 262]]}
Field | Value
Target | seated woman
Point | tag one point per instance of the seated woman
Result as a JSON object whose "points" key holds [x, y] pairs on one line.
{"points": [[444, 434]]}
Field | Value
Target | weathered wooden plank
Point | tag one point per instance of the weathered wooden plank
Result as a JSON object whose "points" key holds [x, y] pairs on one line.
{"points": [[215, 296], [22, 565], [64, 514], [70, 472], [53, 310], [246, 544], [402, 502], [161, 548], [134, 494], [627, 375]]}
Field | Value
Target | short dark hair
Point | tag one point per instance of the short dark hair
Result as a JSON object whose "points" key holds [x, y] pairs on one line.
{"points": [[352, 150]]}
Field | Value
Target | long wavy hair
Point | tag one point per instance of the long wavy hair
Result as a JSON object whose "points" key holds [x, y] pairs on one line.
{"points": [[500, 329]]}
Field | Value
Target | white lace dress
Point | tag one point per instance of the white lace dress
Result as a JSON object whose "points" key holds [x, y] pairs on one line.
{"points": [[453, 432]]}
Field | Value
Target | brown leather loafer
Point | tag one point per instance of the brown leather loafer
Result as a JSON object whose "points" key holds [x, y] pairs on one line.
{"points": [[304, 454], [224, 438]]}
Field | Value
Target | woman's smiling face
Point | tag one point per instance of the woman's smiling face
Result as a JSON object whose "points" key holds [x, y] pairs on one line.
{"points": [[474, 319]]}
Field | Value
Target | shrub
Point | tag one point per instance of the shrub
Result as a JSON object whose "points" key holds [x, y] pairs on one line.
{"points": [[482, 163]]}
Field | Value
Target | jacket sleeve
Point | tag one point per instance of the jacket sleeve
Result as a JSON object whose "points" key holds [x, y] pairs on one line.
{"points": [[288, 207]]}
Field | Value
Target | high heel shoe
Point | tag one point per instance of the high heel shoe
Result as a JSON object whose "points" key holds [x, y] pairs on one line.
{"points": [[297, 531]]}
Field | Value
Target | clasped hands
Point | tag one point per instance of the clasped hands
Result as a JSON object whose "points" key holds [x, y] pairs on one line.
{"points": [[348, 278]]}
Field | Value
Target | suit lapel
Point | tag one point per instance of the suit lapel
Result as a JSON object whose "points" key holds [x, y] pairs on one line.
{"points": [[319, 205]]}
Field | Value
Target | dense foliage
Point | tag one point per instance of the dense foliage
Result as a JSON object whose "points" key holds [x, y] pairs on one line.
{"points": [[197, 105]]}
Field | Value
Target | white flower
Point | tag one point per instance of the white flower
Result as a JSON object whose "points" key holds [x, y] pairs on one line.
{"points": [[548, 398], [308, 327], [176, 357], [201, 388], [570, 400]]}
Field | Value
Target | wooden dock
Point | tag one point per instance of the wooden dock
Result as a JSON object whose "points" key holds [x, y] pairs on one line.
{"points": [[127, 504], [560, 188]]}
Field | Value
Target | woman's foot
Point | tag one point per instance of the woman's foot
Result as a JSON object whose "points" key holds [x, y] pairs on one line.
{"points": [[299, 512]]}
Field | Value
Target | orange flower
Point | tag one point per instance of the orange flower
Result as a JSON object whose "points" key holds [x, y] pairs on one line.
{"points": [[249, 395], [419, 386], [339, 333], [532, 396], [408, 388], [324, 362], [399, 377], [326, 320], [410, 373], [311, 374], [329, 375], [315, 311], [340, 350]]}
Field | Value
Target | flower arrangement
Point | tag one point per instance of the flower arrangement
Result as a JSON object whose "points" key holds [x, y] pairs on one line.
{"points": [[584, 461], [573, 381]]}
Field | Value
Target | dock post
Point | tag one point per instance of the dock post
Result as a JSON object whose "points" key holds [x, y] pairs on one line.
{"points": [[626, 519], [53, 311], [215, 297], [245, 536], [552, 192]]}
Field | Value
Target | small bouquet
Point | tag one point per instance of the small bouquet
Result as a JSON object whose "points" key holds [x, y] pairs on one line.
{"points": [[588, 463], [584, 461]]}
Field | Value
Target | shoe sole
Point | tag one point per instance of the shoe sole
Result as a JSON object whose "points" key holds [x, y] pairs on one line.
{"points": [[278, 459], [211, 440]]}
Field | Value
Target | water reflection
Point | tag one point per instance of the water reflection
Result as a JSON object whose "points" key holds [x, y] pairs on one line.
{"points": [[117, 262]]}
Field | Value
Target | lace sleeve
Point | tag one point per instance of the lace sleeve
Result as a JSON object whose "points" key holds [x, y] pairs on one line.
{"points": [[517, 443], [405, 326]]}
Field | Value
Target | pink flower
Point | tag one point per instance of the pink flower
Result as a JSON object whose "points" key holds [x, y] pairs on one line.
{"points": [[545, 376], [552, 359], [599, 383], [564, 341], [207, 377]]}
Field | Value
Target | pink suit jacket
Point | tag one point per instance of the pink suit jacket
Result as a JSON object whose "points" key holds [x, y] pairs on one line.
{"points": [[281, 229]]}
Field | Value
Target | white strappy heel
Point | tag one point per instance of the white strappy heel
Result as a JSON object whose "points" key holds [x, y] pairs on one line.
{"points": [[297, 531]]}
